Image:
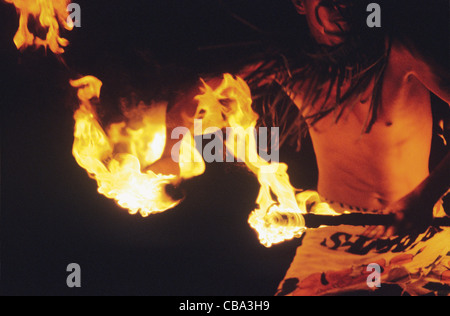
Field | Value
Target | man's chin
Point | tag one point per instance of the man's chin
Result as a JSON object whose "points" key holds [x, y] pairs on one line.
{"points": [[337, 29], [335, 39]]}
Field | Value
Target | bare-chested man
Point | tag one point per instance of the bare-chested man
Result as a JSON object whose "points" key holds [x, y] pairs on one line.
{"points": [[391, 163], [386, 169], [376, 165]]}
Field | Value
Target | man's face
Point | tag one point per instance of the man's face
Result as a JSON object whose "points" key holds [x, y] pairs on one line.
{"points": [[325, 20]]}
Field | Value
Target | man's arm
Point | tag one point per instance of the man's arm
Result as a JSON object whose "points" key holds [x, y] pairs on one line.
{"points": [[437, 184], [436, 78], [415, 211], [433, 75]]}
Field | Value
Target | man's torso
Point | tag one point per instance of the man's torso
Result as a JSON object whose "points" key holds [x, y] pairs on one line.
{"points": [[371, 170]]}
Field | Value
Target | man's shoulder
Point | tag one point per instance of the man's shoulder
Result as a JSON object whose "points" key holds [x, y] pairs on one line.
{"points": [[407, 54], [402, 56]]}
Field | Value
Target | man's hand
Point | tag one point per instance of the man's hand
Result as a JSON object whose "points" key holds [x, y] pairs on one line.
{"points": [[412, 215]]}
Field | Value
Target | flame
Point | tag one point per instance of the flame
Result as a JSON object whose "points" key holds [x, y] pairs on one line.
{"points": [[279, 215], [49, 14], [117, 157]]}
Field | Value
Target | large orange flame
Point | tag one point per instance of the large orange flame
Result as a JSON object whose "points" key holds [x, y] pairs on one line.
{"points": [[50, 14], [117, 157], [279, 215]]}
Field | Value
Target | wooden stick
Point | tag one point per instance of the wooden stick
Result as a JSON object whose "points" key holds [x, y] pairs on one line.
{"points": [[357, 219]]}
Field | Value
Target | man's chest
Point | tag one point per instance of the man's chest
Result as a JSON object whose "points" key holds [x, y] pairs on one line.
{"points": [[397, 102]]}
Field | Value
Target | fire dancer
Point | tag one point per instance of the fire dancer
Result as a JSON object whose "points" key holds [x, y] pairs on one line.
{"points": [[365, 100], [368, 111]]}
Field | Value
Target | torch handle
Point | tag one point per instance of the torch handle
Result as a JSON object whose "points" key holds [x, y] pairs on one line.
{"points": [[357, 219]]}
